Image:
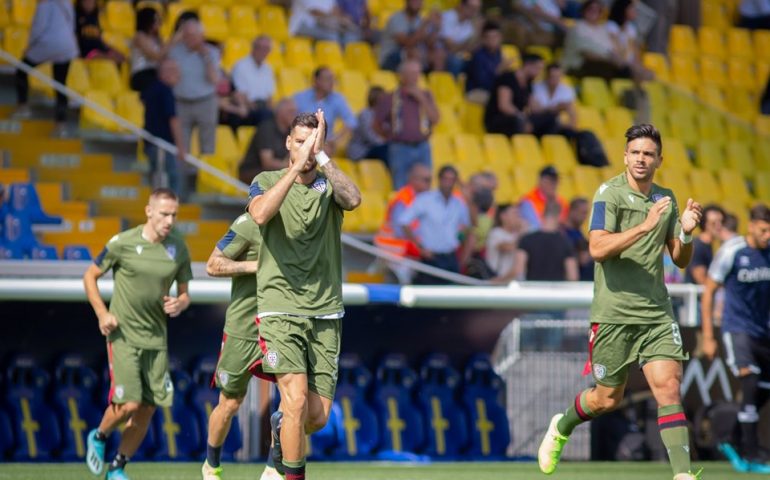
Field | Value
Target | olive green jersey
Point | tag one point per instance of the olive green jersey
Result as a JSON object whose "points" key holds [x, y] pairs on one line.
{"points": [[143, 273], [629, 287], [241, 243], [300, 260]]}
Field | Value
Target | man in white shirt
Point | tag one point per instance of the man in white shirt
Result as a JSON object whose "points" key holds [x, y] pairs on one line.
{"points": [[253, 77], [322, 20], [554, 95], [460, 29]]}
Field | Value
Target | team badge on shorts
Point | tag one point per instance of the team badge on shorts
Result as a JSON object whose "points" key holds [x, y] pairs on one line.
{"points": [[600, 371], [223, 378], [272, 358], [319, 185], [119, 392]]}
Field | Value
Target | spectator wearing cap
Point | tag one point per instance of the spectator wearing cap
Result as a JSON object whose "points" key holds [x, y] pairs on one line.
{"points": [[532, 205]]}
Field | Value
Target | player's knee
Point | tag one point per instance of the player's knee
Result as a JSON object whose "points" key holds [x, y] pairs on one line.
{"points": [[316, 421], [230, 406], [294, 408], [609, 402], [130, 408]]}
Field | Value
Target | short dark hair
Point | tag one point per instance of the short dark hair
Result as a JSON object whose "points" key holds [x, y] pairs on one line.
{"points": [[318, 71], [501, 208], [448, 168], [553, 66], [730, 223], [618, 11], [163, 192], [644, 130], [489, 26], [528, 58], [184, 17], [374, 93], [587, 4], [577, 201], [710, 208], [549, 171], [145, 19], [308, 120], [759, 213]]}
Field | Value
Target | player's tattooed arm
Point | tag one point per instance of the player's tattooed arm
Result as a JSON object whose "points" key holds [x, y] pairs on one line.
{"points": [[219, 265], [346, 193]]}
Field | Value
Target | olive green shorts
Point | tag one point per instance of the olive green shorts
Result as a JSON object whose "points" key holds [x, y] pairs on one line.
{"points": [[139, 375], [613, 347], [238, 361], [294, 344]]}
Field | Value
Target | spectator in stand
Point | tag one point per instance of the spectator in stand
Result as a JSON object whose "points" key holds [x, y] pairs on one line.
{"points": [[322, 96], [573, 230], [366, 142], [89, 33], [322, 20], [479, 194], [161, 120], [408, 35], [267, 149], [443, 219], [532, 205], [729, 227], [195, 93], [147, 48], [589, 49], [360, 20], [503, 240], [555, 96], [391, 236], [754, 14], [667, 13], [509, 110], [51, 39], [254, 78], [624, 33], [405, 118], [233, 105], [704, 245], [485, 64], [460, 28], [546, 254], [543, 23]]}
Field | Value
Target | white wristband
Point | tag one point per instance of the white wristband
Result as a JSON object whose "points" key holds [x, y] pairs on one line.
{"points": [[684, 238], [322, 158]]}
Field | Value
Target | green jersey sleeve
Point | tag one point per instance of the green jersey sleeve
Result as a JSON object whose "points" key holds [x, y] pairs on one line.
{"points": [[262, 183], [109, 256], [184, 274], [233, 245], [605, 210]]}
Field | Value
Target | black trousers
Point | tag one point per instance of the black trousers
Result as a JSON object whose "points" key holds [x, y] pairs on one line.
{"points": [[59, 74]]}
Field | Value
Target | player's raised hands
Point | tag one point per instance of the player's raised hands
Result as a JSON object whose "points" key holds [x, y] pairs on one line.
{"points": [[691, 216], [656, 212], [107, 323], [321, 137], [305, 153]]}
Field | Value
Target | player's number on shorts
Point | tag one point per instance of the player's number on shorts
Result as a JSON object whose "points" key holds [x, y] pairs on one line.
{"points": [[676, 334]]}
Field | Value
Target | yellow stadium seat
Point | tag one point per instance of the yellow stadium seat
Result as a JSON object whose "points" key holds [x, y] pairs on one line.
{"points": [[762, 153], [207, 183], [472, 117], [359, 56], [104, 76], [506, 192], [118, 41], [243, 21], [39, 85], [497, 149], [543, 51], [272, 22], [675, 156], [614, 148], [22, 11], [129, 106], [618, 86], [444, 88], [678, 183], [680, 98], [243, 136], [681, 40], [559, 153], [712, 95], [374, 211], [227, 145], [595, 93], [525, 178], [214, 22], [15, 40], [742, 103], [589, 118], [298, 53], [761, 40], [618, 121], [762, 186], [448, 122], [235, 48], [684, 71], [658, 64], [442, 151], [586, 180], [90, 118], [4, 18], [762, 124], [511, 52], [275, 57], [354, 87], [739, 44], [763, 72], [711, 42], [742, 75], [683, 127], [291, 81], [715, 14], [120, 17], [733, 186], [253, 3], [13, 175], [712, 72], [328, 54], [738, 158], [704, 186], [375, 176], [174, 9], [527, 150], [711, 125], [385, 79], [709, 156], [468, 150]]}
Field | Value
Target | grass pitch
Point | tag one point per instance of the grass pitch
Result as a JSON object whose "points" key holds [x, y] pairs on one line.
{"points": [[386, 471]]}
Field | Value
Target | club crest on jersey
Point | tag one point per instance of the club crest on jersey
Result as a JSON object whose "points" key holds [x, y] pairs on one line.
{"points": [[319, 185], [171, 251], [656, 196], [272, 358], [119, 391], [744, 261], [600, 371], [139, 249]]}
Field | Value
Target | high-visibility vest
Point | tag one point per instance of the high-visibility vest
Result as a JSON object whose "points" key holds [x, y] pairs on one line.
{"points": [[386, 238], [538, 201]]}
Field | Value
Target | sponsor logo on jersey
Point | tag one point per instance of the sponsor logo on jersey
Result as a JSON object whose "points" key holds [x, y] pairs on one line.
{"points": [[139, 249], [602, 188], [744, 261], [171, 251], [600, 371], [759, 274], [272, 358], [319, 185]]}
